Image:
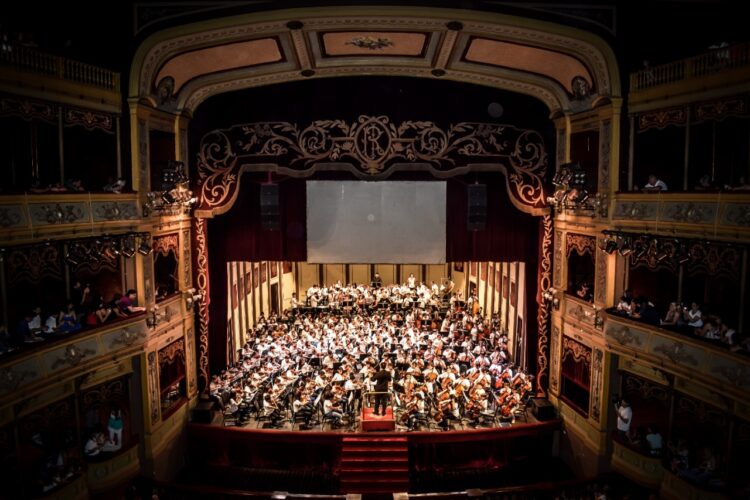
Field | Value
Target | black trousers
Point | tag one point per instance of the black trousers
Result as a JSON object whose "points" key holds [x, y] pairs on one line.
{"points": [[381, 400]]}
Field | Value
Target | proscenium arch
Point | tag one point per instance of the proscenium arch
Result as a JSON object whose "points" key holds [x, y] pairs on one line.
{"points": [[452, 26], [444, 63]]}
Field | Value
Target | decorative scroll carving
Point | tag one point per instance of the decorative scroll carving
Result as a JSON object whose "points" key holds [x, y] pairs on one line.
{"points": [[27, 109], [369, 42], [114, 211], [202, 283], [645, 388], [557, 274], [11, 379], [596, 384], [622, 335], [555, 360], [737, 215], [676, 353], [735, 375], [657, 257], [31, 264], [57, 214], [543, 313], [173, 351], [127, 338], [661, 118], [186, 257], [693, 213], [167, 243], [153, 391], [88, 119], [10, 216], [635, 211], [715, 260], [580, 243], [108, 392], [604, 151], [600, 275], [72, 356], [720, 109], [580, 352], [374, 144], [191, 355]]}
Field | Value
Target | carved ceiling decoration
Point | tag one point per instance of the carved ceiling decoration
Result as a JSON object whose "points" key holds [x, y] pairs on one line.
{"points": [[371, 148], [32, 264], [580, 353], [553, 64], [186, 66], [335, 41], [662, 118], [167, 243], [580, 244], [645, 388]]}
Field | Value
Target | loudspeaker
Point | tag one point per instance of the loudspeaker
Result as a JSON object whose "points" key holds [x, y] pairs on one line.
{"points": [[542, 409], [203, 412], [477, 210], [270, 215]]}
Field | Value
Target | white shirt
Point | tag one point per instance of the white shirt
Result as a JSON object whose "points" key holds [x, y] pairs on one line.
{"points": [[660, 184], [624, 417]]}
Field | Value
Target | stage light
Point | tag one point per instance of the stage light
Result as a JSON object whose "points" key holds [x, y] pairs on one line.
{"points": [[623, 246], [661, 255], [609, 245], [640, 249], [684, 255], [145, 247], [168, 198], [583, 196]]}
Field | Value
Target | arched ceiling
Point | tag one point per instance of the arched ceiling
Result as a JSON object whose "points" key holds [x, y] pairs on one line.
{"points": [[568, 69]]}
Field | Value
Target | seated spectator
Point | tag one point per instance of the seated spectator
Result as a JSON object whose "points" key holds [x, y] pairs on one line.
{"points": [[37, 187], [23, 333], [705, 184], [647, 311], [81, 296], [704, 471], [94, 444], [673, 315], [742, 185], [114, 186], [74, 186], [125, 304], [654, 440], [99, 315], [728, 335], [655, 184], [710, 329], [584, 292], [693, 316], [50, 325], [624, 304], [35, 324], [68, 320]]}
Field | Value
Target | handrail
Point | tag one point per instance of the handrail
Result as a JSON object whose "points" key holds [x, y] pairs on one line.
{"points": [[708, 63], [36, 61]]}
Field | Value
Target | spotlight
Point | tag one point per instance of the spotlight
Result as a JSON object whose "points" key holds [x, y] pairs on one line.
{"points": [[168, 198], [128, 246], [145, 247], [623, 246], [661, 255], [640, 249], [684, 255], [72, 257], [583, 196], [609, 245]]}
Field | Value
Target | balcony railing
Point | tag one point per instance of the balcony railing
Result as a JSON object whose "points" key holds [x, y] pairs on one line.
{"points": [[35, 61], [709, 63]]}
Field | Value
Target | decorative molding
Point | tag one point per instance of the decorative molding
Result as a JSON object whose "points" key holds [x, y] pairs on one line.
{"points": [[676, 353], [661, 118], [127, 338], [153, 382], [202, 283], [600, 274], [58, 214], [555, 360], [737, 214], [736, 375], [173, 351], [596, 384], [558, 269], [715, 260], [88, 119], [635, 211], [189, 335], [186, 257], [623, 336], [167, 243], [28, 109], [114, 211], [374, 144], [561, 146], [605, 130], [12, 216], [11, 379], [580, 243], [72, 356], [368, 42], [720, 109], [31, 264], [543, 313], [692, 213], [580, 352]]}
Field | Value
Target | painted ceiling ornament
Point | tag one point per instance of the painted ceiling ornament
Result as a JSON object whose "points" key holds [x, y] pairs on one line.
{"points": [[370, 42], [73, 355], [11, 379], [581, 88], [127, 338], [623, 335], [165, 90]]}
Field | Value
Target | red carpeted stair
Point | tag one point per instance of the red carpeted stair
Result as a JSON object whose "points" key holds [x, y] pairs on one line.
{"points": [[376, 464]]}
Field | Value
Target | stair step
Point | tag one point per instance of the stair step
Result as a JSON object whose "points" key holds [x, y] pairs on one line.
{"points": [[377, 458], [360, 449], [384, 470], [375, 439]]}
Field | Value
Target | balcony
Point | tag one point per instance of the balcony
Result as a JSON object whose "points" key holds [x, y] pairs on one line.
{"points": [[685, 213], [723, 67], [32, 370], [691, 358], [24, 215], [637, 465]]}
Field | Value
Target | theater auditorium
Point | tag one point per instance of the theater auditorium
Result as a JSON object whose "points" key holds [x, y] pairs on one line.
{"points": [[344, 250]]}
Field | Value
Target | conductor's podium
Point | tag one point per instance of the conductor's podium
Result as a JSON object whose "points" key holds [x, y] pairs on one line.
{"points": [[372, 422]]}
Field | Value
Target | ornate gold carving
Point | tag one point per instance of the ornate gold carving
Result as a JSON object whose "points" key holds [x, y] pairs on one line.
{"points": [[127, 338], [543, 313], [622, 335], [28, 109], [374, 143], [635, 211], [167, 243], [579, 313], [202, 283], [715, 260], [661, 118], [56, 214], [88, 119], [657, 257], [580, 352], [115, 211], [114, 391], [72, 356], [720, 109], [11, 379], [738, 215], [153, 390], [604, 152], [600, 272], [369, 42], [31, 264], [647, 390], [557, 274], [10, 216], [555, 360], [596, 384], [580, 243], [173, 351], [186, 257], [676, 353], [690, 212]]}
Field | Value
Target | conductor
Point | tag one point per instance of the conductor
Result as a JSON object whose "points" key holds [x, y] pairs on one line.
{"points": [[381, 379]]}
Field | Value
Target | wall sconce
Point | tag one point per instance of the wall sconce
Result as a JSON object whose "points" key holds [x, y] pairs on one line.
{"points": [[192, 298], [550, 297]]}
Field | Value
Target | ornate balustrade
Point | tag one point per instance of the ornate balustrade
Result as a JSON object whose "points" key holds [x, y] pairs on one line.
{"points": [[27, 372], [688, 214], [693, 359], [22, 216]]}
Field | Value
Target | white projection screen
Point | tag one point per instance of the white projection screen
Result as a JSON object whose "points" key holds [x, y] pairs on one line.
{"points": [[393, 222]]}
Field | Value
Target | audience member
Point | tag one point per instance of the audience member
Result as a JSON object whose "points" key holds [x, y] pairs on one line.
{"points": [[654, 440], [704, 184], [655, 184], [673, 315], [693, 316], [584, 292], [624, 417], [125, 304]]}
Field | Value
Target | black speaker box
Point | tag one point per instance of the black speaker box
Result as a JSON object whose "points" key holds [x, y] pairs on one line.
{"points": [[477, 209], [542, 409], [203, 412], [270, 215]]}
